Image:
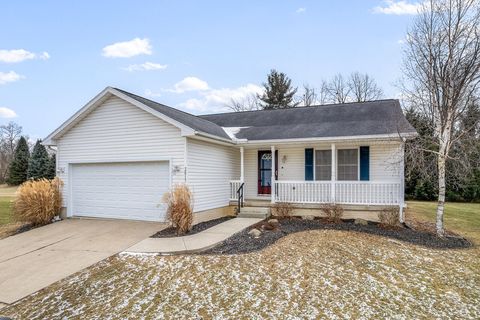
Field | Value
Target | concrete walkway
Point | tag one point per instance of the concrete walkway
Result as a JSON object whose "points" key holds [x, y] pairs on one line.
{"points": [[196, 242]]}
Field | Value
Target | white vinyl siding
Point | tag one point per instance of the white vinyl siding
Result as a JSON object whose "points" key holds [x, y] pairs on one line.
{"points": [[210, 167], [117, 131]]}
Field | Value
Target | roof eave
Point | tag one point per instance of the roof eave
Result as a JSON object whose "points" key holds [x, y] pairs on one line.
{"points": [[393, 136]]}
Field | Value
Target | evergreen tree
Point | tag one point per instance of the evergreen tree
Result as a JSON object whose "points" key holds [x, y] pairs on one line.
{"points": [[52, 168], [17, 172], [38, 165], [279, 93]]}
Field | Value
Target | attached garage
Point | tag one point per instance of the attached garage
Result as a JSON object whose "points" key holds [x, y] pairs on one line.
{"points": [[124, 190]]}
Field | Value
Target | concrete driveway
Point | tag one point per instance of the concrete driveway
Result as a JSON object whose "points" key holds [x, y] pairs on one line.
{"points": [[35, 259]]}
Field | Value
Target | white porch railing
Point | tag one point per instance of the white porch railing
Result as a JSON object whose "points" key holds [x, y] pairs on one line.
{"points": [[345, 192], [303, 191], [370, 193], [234, 185]]}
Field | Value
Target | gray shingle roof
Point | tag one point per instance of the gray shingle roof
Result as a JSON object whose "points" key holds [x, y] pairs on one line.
{"points": [[194, 122], [335, 120]]}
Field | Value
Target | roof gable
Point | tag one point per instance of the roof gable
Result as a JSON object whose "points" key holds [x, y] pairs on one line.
{"points": [[177, 118]]}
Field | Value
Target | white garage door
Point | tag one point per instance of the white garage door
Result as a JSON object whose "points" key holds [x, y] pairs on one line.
{"points": [[120, 190]]}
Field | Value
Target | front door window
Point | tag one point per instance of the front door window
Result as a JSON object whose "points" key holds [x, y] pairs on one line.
{"points": [[265, 172]]}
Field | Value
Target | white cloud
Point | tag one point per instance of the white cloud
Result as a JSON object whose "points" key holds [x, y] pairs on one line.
{"points": [[128, 49], [189, 84], [215, 100], [150, 93], [398, 8], [147, 66], [7, 113], [12, 76], [301, 10], [19, 55]]}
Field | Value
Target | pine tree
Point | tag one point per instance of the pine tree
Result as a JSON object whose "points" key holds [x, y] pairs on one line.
{"points": [[279, 93], [17, 172], [39, 162], [52, 168]]}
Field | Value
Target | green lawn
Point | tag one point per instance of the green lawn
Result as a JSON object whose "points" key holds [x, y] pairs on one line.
{"points": [[5, 210], [6, 196], [462, 218]]}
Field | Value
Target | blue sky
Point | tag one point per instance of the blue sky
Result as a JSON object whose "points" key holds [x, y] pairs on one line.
{"points": [[56, 55]]}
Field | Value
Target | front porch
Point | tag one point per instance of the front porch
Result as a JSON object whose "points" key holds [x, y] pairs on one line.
{"points": [[360, 174], [316, 192]]}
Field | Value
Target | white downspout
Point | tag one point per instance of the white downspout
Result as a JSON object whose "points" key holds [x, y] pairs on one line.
{"points": [[401, 195], [272, 189], [242, 165]]}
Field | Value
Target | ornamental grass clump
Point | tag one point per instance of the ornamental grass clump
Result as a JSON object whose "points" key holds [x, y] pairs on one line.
{"points": [[179, 203], [38, 202]]}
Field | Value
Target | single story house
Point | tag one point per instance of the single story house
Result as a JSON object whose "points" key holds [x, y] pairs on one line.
{"points": [[121, 152]]}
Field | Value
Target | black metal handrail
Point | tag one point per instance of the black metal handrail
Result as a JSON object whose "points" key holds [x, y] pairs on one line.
{"points": [[240, 197]]}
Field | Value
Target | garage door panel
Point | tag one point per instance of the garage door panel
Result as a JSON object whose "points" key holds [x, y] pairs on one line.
{"points": [[120, 190]]}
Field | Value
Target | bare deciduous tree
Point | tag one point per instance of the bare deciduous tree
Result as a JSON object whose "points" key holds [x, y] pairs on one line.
{"points": [[309, 96], [442, 75], [249, 103], [338, 89], [9, 135], [363, 88]]}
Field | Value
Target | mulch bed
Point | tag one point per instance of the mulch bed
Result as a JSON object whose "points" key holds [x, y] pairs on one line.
{"points": [[170, 232], [243, 242]]}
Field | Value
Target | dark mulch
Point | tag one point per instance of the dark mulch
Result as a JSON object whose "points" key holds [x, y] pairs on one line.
{"points": [[24, 228], [199, 227], [242, 242]]}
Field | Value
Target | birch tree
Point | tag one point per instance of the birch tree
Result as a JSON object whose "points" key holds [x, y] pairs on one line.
{"points": [[442, 72]]}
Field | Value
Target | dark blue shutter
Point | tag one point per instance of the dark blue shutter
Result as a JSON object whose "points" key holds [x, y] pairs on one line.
{"points": [[308, 164], [364, 163]]}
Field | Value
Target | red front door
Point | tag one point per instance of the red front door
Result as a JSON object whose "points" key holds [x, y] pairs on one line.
{"points": [[265, 171]]}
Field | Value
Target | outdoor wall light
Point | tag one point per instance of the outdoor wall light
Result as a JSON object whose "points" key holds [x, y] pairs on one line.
{"points": [[284, 159]]}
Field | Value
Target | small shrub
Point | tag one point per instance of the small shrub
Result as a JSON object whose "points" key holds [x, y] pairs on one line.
{"points": [[38, 201], [333, 212], [389, 217], [179, 203], [282, 209]]}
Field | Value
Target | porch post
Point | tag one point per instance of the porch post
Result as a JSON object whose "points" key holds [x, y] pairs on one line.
{"points": [[272, 188], [334, 172], [401, 193], [242, 170]]}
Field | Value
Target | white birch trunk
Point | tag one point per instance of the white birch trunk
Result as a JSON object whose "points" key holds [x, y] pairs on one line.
{"points": [[441, 195]]}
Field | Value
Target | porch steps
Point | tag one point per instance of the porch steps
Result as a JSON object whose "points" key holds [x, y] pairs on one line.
{"points": [[254, 212]]}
